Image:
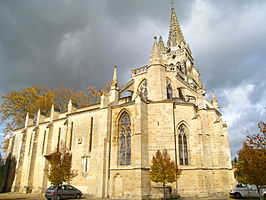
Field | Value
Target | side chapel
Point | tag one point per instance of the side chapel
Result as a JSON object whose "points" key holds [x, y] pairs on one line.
{"points": [[112, 143]]}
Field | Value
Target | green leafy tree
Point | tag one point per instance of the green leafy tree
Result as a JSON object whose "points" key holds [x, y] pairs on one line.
{"points": [[163, 169], [251, 165], [60, 166]]}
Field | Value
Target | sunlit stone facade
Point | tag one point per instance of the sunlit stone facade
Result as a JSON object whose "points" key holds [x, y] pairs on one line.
{"points": [[112, 143]]}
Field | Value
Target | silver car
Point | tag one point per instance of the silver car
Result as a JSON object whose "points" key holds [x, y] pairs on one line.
{"points": [[246, 191], [62, 192]]}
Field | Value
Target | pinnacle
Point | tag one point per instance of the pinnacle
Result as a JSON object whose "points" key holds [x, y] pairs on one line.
{"points": [[155, 57], [214, 98], [175, 33], [161, 44], [114, 83]]}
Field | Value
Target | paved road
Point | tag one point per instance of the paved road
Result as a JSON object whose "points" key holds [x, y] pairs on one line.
{"points": [[13, 196], [17, 196]]}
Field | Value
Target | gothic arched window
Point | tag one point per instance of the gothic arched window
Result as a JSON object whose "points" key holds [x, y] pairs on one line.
{"points": [[169, 90], [143, 89], [125, 139], [182, 145]]}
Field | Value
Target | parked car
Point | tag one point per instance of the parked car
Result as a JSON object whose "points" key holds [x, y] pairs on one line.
{"points": [[246, 191], [62, 192]]}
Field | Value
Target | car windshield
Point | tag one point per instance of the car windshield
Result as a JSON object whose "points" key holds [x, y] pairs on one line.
{"points": [[52, 187]]}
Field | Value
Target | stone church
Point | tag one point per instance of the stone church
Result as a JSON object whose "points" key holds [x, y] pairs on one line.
{"points": [[112, 143]]}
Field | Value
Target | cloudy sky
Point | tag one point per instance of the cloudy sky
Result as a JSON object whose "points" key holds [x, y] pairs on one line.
{"points": [[77, 43]]}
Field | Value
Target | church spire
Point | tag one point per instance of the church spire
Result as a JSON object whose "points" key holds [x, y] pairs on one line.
{"points": [[175, 33], [156, 56]]}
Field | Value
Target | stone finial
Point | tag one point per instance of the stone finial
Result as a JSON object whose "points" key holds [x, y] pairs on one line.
{"points": [[114, 82], [201, 88], [156, 57], [69, 106], [41, 116], [214, 101], [72, 106], [26, 120], [52, 113], [38, 117], [161, 45]]}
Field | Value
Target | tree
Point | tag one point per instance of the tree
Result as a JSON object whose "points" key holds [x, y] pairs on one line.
{"points": [[163, 170], [17, 104], [60, 166], [251, 165], [258, 141], [63, 95], [234, 161], [96, 94]]}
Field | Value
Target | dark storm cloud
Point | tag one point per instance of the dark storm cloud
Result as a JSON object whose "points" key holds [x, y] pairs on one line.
{"points": [[74, 43], [77, 43]]}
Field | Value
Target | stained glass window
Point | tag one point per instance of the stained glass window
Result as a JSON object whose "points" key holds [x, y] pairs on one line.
{"points": [[182, 145], [143, 89], [122, 150], [169, 90], [125, 139]]}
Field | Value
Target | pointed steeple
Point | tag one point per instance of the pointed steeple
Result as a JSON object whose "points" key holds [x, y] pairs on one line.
{"points": [[175, 33], [161, 44], [114, 82], [156, 57], [214, 101]]}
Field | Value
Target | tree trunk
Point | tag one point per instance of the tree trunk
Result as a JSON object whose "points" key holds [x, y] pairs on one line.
{"points": [[164, 191], [258, 189]]}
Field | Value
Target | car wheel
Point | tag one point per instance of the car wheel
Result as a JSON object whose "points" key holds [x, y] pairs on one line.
{"points": [[78, 196], [238, 195]]}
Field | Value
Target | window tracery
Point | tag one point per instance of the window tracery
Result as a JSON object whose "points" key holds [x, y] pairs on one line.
{"points": [[182, 145], [125, 139], [143, 89]]}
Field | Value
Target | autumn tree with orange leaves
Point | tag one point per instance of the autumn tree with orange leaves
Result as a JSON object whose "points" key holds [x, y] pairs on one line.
{"points": [[17, 103], [60, 171], [163, 169], [251, 165]]}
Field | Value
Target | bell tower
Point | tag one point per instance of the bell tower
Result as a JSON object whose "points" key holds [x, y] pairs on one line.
{"points": [[172, 63]]}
